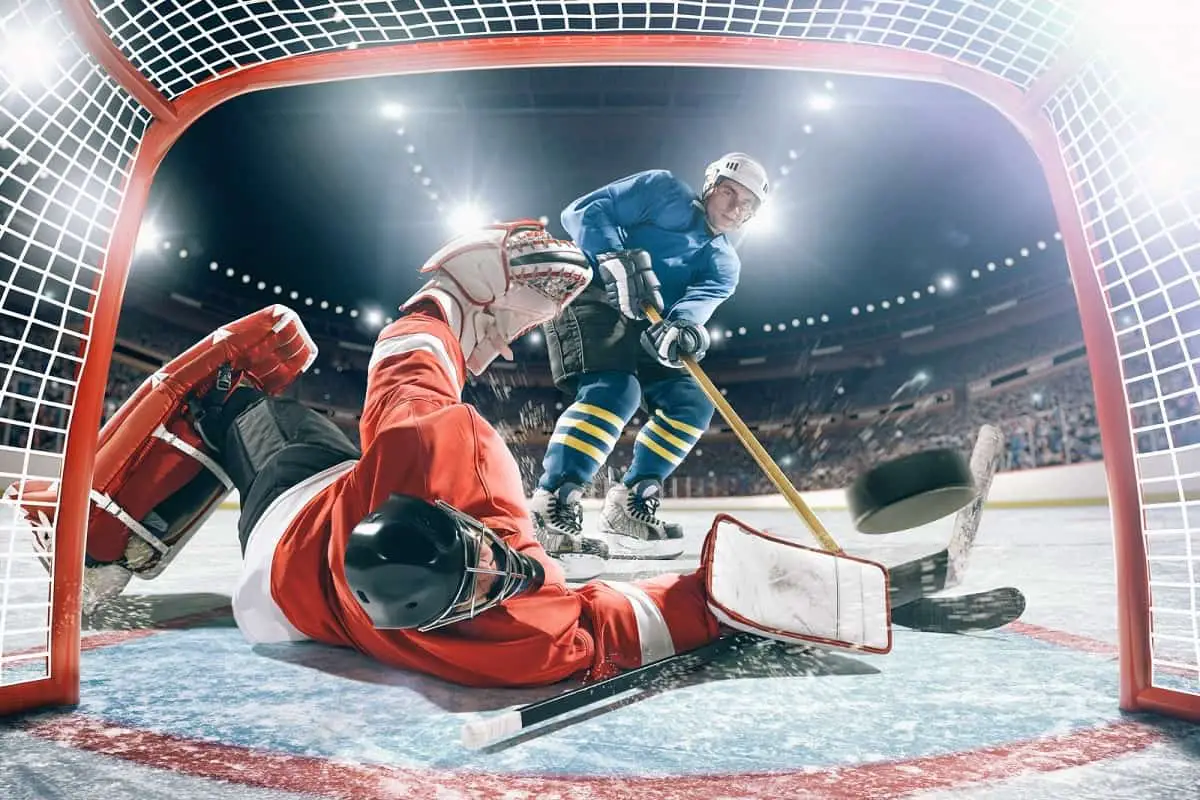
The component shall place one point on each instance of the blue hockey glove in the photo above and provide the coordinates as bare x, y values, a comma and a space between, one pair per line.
670, 340
630, 282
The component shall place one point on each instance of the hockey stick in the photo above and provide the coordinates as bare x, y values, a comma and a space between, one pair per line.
482, 732
756, 450
944, 569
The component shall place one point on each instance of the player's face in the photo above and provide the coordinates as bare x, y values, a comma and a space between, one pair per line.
729, 206
484, 582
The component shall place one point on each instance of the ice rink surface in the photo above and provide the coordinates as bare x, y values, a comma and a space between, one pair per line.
176, 705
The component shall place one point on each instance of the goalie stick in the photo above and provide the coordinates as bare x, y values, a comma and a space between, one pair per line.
909, 583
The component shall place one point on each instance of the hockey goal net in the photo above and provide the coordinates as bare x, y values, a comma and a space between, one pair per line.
92, 94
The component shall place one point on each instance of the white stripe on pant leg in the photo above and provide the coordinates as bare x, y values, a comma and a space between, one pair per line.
653, 633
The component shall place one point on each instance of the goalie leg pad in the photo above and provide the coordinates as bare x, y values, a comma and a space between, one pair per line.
779, 589
155, 480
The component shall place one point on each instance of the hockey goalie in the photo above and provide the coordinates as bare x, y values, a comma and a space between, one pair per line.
419, 551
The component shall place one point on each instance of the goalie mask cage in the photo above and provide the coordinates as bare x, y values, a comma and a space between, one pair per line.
92, 95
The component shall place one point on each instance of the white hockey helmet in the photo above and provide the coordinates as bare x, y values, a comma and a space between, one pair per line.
741, 168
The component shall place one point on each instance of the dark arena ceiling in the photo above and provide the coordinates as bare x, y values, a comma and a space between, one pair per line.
338, 192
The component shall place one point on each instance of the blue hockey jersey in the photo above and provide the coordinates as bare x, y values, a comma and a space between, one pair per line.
658, 213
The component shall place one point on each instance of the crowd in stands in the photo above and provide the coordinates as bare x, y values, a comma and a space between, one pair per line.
1047, 419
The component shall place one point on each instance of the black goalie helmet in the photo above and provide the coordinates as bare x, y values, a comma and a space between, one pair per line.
415, 564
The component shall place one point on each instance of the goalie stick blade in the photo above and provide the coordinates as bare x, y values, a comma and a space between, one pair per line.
980, 611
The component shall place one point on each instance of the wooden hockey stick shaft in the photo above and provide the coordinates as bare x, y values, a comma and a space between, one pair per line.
756, 450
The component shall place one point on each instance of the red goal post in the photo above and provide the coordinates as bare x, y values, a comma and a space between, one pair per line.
83, 136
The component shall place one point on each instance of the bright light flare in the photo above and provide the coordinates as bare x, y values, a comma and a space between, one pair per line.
820, 102
947, 283
391, 110
27, 57
467, 217
149, 238
373, 318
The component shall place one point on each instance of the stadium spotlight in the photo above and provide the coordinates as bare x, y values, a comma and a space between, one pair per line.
714, 333
183, 253
766, 327
373, 317
544, 219
1041, 245
885, 305
810, 321
807, 128
27, 57
535, 338
824, 318
900, 299
1008, 262
796, 322
213, 266
728, 334
1058, 236
820, 102
870, 307
854, 310
1024, 252
781, 327
931, 289
921, 377
742, 331
148, 237
764, 220
230, 272
974, 273
466, 217
916, 295
991, 266
947, 283
392, 111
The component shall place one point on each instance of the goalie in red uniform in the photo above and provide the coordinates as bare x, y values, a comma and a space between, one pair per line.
418, 550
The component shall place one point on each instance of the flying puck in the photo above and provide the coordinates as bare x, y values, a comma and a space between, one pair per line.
910, 491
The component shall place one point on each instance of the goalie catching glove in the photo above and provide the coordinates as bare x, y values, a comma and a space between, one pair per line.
669, 340
630, 283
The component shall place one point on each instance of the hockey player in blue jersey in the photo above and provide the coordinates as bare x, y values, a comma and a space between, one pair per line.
653, 241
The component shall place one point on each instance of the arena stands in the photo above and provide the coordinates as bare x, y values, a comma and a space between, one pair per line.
823, 428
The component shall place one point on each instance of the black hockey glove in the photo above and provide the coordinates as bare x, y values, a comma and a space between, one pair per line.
630, 282
670, 340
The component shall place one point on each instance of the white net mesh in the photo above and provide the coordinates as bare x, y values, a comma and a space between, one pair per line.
67, 134
180, 43
1142, 212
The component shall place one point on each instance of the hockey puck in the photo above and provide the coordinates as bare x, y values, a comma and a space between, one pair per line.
910, 491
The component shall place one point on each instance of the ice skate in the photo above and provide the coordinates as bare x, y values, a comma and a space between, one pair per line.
558, 525
631, 527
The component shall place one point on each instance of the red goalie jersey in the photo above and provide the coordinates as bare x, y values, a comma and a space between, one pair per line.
419, 439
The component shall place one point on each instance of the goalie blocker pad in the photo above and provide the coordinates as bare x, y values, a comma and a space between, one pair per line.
777, 588
154, 478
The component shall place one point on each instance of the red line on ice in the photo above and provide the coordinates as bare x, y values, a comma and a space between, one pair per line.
1073, 641
337, 779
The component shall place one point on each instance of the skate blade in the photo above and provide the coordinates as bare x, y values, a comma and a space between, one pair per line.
580, 566
630, 548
